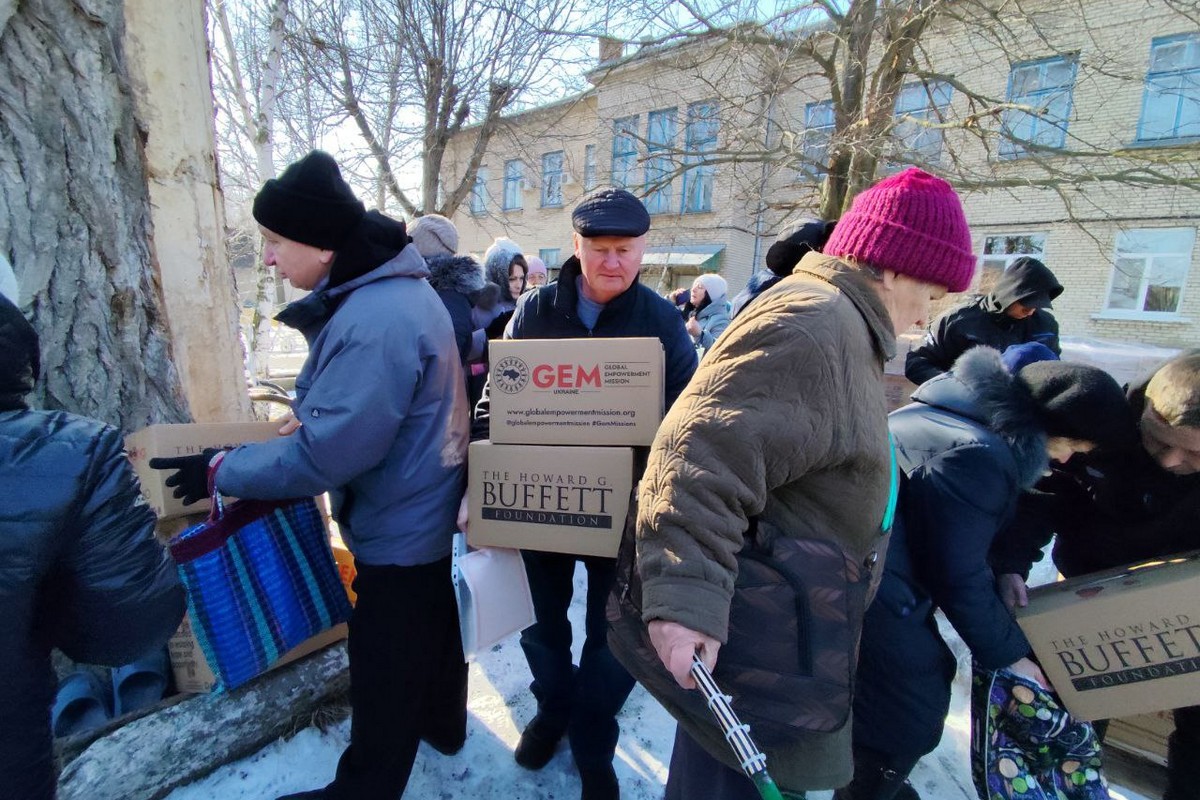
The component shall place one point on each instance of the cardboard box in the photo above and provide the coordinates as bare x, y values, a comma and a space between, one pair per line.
191, 670
557, 499
1144, 735
184, 440
576, 391
1121, 642
345, 565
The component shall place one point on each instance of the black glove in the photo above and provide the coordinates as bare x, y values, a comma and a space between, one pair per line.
495, 328
191, 477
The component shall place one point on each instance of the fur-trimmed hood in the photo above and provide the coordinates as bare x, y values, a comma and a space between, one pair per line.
460, 274
979, 388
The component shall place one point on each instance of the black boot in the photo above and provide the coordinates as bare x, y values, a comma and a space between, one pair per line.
876, 777
599, 783
538, 742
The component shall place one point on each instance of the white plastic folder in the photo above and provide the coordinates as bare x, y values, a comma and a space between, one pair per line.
493, 595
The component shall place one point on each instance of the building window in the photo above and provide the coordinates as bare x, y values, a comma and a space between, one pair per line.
1149, 270
700, 138
479, 193
589, 167
513, 173
1171, 103
999, 253
625, 152
818, 131
918, 107
552, 258
660, 140
1045, 87
552, 179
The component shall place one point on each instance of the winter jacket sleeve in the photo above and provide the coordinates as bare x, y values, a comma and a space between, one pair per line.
459, 308
1021, 543
936, 354
115, 593
351, 416
680, 357
708, 336
741, 428
953, 506
1046, 331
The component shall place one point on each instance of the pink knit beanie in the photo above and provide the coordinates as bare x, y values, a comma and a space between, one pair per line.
911, 223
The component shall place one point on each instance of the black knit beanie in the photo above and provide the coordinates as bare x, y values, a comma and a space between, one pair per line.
795, 242
1080, 402
309, 203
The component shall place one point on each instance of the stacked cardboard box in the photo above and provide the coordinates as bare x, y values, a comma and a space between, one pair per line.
565, 414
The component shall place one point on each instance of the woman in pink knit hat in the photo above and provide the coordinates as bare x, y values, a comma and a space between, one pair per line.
783, 431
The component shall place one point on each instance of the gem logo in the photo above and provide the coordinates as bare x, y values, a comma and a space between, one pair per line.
510, 375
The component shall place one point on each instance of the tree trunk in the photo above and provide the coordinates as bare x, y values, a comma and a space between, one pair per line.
75, 214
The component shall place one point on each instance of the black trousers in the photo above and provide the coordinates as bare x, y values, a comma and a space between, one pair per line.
408, 678
583, 701
1183, 754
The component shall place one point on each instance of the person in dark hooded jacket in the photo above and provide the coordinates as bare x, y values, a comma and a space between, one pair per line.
458, 280
382, 405
1016, 311
967, 446
80, 569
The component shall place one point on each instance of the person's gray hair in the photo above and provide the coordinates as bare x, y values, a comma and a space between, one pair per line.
1174, 390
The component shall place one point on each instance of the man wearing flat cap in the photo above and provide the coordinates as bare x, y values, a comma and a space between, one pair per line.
382, 425
597, 294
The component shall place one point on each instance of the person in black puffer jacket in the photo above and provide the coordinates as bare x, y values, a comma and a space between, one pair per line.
967, 446
80, 569
1014, 312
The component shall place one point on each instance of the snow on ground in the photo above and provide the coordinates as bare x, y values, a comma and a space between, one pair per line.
499, 706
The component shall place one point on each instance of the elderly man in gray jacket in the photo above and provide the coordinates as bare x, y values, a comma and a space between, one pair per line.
382, 425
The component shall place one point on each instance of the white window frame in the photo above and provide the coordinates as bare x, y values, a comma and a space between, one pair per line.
1009, 258
1144, 285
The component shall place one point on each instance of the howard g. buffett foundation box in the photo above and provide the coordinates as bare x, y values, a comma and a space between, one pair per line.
1125, 641
575, 391
557, 499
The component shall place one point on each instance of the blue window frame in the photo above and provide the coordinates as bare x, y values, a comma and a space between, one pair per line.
479, 193
1046, 87
1171, 102
818, 131
700, 138
552, 179
918, 106
660, 140
589, 167
513, 174
625, 152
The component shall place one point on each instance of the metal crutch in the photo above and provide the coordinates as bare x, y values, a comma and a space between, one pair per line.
752, 760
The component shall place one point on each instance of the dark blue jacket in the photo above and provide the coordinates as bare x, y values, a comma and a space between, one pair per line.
550, 313
80, 569
967, 447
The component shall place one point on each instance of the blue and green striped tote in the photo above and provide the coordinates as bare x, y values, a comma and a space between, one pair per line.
260, 579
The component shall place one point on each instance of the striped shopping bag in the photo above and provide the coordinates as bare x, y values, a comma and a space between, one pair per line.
260, 579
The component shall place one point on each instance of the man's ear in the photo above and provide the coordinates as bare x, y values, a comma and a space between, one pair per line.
577, 243
327, 257
888, 278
